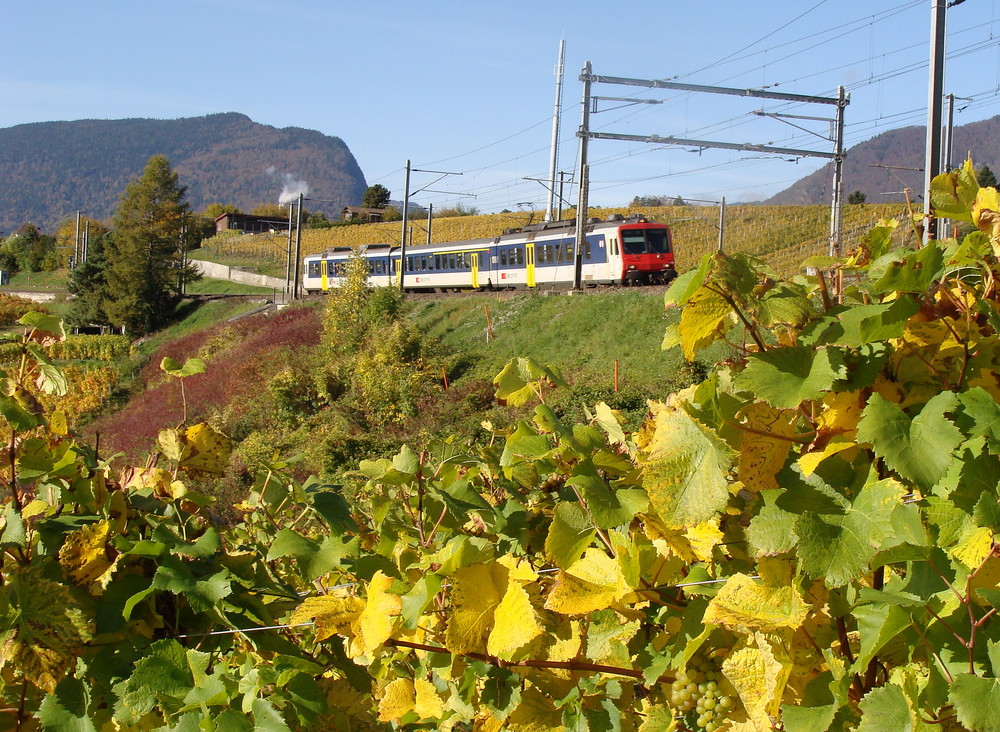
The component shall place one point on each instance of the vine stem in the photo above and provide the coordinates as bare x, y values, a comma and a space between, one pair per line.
565, 665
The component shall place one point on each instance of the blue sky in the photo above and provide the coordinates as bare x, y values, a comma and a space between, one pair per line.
468, 87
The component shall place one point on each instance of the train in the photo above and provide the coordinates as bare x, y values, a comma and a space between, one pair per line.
619, 251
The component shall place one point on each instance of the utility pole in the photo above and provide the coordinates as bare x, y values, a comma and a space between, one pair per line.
76, 242
584, 168
932, 153
837, 205
298, 248
554, 161
288, 254
430, 219
402, 238
944, 230
722, 222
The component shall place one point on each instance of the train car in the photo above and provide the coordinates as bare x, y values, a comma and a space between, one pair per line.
620, 251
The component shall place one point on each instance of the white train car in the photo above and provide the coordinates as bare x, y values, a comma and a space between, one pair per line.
617, 251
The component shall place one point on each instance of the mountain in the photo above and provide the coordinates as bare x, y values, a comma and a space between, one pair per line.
878, 167
51, 170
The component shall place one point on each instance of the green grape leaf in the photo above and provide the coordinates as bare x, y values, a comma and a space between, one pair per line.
915, 273
685, 468
333, 509
919, 449
44, 322
522, 380
686, 285
163, 675
885, 709
976, 701
878, 623
191, 367
953, 193
772, 530
65, 709
266, 718
840, 546
570, 533
785, 377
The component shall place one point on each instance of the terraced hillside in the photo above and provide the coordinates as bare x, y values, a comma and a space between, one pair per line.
781, 235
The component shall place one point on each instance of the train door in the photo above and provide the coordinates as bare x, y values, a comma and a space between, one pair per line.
529, 263
474, 266
324, 283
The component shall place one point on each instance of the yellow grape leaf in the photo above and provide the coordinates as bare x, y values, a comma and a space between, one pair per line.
987, 578
986, 211
376, 622
156, 479
47, 629
535, 713
58, 423
172, 444
764, 446
84, 555
427, 704
514, 623
703, 318
811, 460
487, 722
704, 538
476, 591
988, 380
668, 542
398, 699
208, 449
974, 546
329, 613
744, 606
841, 413
759, 673
518, 569
593, 582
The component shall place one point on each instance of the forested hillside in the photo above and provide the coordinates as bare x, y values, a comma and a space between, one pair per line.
50, 170
884, 166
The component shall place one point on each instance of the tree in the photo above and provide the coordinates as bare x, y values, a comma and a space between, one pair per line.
857, 197
88, 285
145, 274
214, 210
986, 177
376, 196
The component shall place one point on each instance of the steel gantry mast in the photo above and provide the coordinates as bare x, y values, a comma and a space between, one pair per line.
837, 137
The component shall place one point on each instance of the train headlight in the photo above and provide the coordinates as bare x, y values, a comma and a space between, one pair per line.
631, 267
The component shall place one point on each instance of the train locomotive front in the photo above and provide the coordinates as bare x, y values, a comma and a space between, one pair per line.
645, 253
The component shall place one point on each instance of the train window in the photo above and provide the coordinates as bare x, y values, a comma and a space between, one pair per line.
633, 242
331, 268
503, 257
314, 269
569, 252
451, 262
658, 240
520, 256
371, 266
586, 250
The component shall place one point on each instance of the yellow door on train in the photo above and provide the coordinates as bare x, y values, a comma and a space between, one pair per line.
474, 265
529, 263
324, 283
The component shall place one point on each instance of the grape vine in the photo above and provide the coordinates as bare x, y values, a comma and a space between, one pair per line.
805, 541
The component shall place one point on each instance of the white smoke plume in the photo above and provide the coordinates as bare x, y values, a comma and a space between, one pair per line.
291, 187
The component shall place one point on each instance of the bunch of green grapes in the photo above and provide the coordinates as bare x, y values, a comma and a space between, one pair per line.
702, 695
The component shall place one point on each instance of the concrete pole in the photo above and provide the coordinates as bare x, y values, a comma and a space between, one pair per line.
935, 90
402, 238
554, 160
298, 248
584, 168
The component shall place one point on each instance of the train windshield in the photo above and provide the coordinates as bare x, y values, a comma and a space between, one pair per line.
645, 241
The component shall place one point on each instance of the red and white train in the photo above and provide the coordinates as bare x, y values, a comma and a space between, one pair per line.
619, 251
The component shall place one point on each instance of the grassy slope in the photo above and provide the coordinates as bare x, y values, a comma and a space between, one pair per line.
583, 336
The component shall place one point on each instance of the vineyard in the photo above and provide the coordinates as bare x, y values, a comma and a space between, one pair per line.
783, 235
805, 541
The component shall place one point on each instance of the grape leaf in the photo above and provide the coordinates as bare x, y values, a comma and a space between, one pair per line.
515, 623
569, 534
885, 709
976, 701
595, 582
785, 377
65, 709
329, 613
742, 605
376, 622
476, 592
685, 468
919, 449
